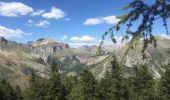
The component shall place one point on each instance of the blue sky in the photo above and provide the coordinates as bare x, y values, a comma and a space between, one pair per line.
75, 22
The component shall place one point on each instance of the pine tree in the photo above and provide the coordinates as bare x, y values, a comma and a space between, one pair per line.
6, 91
113, 85
142, 84
45, 89
68, 83
89, 85
77, 93
55, 88
86, 89
164, 86
119, 88
105, 87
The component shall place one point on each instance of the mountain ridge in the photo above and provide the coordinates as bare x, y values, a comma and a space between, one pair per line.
20, 57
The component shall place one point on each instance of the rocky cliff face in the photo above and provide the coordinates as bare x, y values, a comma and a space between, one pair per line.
21, 57
11, 46
37, 55
155, 58
42, 48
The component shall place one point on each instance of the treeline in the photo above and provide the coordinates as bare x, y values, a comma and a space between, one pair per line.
114, 86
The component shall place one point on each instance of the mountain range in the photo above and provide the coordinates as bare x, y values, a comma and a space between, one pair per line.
18, 59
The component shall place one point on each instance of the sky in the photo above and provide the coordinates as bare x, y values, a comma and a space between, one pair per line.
76, 22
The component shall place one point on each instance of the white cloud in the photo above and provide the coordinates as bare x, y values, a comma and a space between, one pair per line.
93, 21
80, 44
37, 12
110, 20
83, 38
14, 9
55, 13
102, 20
43, 24
77, 45
107, 42
8, 33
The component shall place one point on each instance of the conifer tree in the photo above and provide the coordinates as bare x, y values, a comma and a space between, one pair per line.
69, 82
164, 86
142, 84
119, 89
113, 86
55, 88
6, 91
86, 89
105, 86
77, 93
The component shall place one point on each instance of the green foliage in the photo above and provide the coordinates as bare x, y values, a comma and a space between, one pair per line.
120, 89
105, 87
37, 88
69, 83
141, 85
7, 92
45, 89
89, 84
113, 86
86, 89
76, 93
54, 83
165, 85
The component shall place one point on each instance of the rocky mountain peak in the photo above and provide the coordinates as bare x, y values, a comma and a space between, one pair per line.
44, 41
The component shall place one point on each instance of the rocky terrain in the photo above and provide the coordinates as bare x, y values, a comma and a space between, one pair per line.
21, 58
156, 57
17, 59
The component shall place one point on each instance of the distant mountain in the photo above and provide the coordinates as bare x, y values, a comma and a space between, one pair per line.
17, 59
155, 58
85, 47
20, 58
